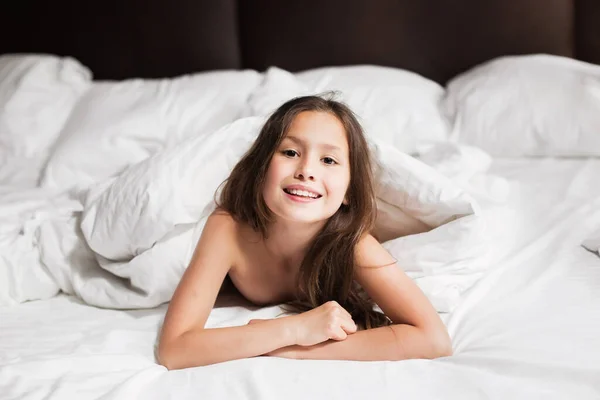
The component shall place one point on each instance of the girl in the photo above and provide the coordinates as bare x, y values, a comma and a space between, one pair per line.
292, 226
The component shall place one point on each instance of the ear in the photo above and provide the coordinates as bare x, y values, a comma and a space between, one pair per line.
345, 201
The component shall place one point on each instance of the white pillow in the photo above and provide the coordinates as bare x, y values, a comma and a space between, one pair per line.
37, 94
401, 107
117, 124
538, 105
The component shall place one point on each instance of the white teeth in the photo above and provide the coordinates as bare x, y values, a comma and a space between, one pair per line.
303, 193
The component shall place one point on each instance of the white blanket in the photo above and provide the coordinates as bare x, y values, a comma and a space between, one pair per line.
544, 291
592, 243
144, 224
125, 242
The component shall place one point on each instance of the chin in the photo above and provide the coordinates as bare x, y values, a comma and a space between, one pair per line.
299, 216
303, 218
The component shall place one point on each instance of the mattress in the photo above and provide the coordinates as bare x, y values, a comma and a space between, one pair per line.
528, 329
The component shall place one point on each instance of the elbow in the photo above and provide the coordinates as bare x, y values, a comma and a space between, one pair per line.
168, 357
164, 357
421, 343
173, 355
441, 345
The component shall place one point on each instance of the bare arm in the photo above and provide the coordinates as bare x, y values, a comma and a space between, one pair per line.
388, 343
184, 342
417, 332
210, 346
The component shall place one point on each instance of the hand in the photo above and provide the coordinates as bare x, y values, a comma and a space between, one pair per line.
328, 321
284, 352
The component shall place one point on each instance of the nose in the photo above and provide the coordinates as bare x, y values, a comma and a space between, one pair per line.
305, 171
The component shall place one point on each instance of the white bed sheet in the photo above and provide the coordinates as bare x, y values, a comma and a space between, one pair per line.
529, 329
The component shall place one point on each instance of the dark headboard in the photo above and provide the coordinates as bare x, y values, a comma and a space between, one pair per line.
120, 39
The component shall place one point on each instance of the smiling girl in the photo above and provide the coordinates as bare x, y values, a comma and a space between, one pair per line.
293, 226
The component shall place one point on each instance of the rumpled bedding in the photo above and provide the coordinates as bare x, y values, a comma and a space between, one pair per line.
592, 243
118, 232
125, 242
542, 289
37, 95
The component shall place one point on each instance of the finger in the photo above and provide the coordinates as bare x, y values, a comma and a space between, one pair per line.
338, 333
346, 313
348, 326
342, 310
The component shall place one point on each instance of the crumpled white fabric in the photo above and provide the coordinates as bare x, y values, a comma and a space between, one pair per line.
23, 274
143, 225
125, 122
37, 94
592, 243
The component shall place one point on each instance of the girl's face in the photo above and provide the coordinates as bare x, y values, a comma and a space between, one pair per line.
309, 173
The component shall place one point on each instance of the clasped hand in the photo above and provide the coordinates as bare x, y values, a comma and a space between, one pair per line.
329, 321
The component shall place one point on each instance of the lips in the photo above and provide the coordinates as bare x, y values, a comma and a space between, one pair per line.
302, 192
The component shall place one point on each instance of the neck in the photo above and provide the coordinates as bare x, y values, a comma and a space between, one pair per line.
289, 241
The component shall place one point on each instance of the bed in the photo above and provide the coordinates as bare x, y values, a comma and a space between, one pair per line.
496, 109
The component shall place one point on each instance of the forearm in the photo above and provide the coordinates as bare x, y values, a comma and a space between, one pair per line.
210, 346
396, 342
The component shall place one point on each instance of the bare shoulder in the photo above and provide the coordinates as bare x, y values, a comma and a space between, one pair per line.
227, 234
370, 253
221, 219
393, 291
221, 227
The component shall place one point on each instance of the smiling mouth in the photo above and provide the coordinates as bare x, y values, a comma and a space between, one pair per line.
302, 194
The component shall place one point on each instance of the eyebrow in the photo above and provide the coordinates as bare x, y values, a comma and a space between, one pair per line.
326, 146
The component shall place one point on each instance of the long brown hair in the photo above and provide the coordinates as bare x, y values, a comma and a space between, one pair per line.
327, 270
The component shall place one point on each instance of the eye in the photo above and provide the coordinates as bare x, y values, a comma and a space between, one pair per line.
329, 161
289, 153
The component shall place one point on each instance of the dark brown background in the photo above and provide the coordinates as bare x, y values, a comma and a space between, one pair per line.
157, 38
